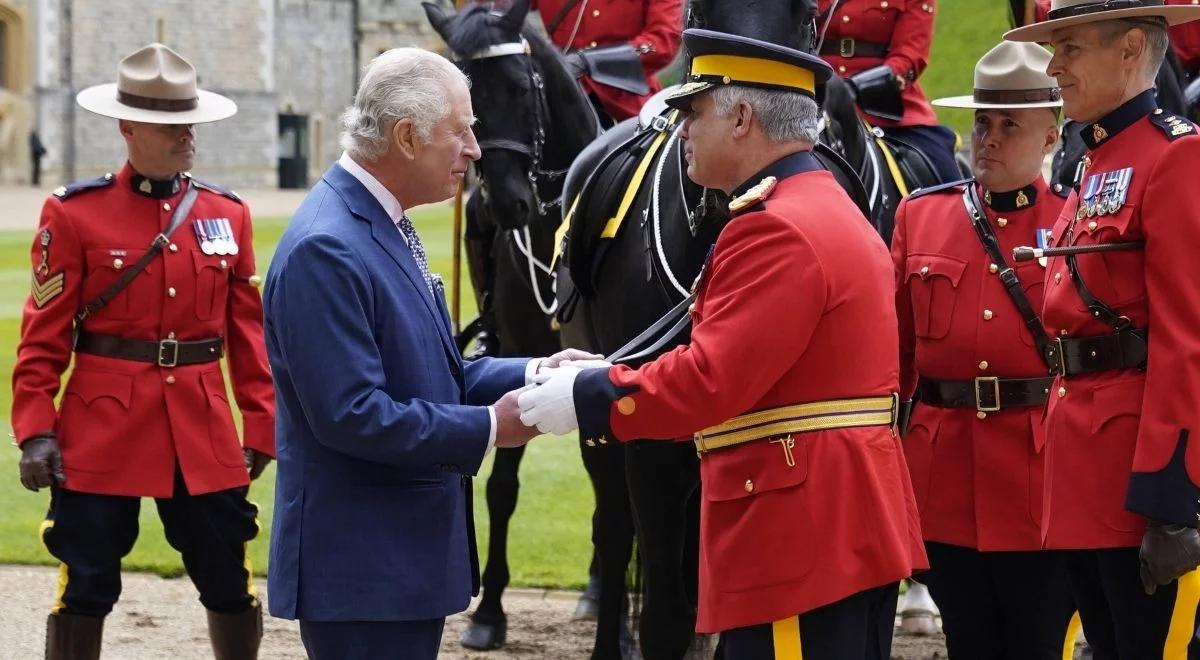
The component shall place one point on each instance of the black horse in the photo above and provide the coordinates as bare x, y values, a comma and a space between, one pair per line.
532, 122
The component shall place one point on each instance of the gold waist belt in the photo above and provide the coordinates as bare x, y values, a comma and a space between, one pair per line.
800, 418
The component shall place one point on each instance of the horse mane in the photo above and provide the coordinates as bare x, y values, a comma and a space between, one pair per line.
569, 101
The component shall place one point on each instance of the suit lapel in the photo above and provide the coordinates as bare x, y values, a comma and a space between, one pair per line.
387, 235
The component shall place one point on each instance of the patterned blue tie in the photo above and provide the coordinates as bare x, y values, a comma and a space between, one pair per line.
418, 250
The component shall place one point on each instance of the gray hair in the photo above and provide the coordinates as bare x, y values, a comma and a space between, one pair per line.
1157, 38
402, 83
785, 116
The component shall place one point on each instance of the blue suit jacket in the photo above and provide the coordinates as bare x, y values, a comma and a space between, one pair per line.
378, 422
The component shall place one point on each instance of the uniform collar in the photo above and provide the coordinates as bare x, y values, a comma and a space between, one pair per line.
1013, 200
790, 165
1103, 129
154, 188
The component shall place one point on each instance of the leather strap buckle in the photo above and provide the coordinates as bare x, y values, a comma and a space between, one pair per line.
994, 382
168, 352
846, 47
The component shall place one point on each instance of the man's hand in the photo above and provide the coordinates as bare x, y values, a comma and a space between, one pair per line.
41, 463
256, 462
568, 355
1168, 552
551, 405
510, 430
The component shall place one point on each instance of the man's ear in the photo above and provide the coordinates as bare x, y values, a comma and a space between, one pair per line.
743, 115
126, 128
404, 136
1134, 44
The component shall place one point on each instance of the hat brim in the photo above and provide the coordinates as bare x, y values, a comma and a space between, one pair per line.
968, 102
681, 98
102, 100
1044, 31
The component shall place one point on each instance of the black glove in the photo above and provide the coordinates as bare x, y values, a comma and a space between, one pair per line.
1169, 551
41, 463
256, 462
575, 64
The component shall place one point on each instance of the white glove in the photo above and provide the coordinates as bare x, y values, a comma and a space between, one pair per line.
551, 405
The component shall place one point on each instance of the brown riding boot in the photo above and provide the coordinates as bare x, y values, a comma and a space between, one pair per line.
73, 637
235, 636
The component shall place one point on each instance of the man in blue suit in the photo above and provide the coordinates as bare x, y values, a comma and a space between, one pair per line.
380, 422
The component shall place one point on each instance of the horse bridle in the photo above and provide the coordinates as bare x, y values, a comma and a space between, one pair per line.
536, 174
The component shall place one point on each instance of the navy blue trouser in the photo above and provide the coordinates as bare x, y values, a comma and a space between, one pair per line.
936, 142
372, 640
90, 533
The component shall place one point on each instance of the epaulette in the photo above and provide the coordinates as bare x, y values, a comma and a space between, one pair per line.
759, 192
72, 189
941, 187
212, 187
1173, 125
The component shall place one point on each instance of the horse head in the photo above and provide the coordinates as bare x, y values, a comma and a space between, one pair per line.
509, 98
790, 23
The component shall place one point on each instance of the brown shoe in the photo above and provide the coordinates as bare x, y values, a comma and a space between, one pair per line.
235, 636
73, 637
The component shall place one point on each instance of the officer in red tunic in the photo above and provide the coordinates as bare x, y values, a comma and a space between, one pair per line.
970, 360
788, 383
881, 47
1124, 308
607, 35
146, 278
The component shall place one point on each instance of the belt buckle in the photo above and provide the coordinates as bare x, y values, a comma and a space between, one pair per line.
1062, 356
846, 47
168, 347
995, 382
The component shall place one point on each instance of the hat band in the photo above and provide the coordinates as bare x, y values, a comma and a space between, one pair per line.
1096, 7
737, 69
161, 105
1018, 96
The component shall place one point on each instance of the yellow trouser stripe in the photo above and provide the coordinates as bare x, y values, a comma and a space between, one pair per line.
61, 587
785, 637
1072, 634
1183, 617
631, 191
892, 166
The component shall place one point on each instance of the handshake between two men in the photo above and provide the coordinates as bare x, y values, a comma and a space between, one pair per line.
546, 404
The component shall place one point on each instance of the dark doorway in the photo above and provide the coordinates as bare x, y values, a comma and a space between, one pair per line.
293, 151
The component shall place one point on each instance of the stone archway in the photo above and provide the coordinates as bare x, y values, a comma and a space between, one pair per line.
15, 109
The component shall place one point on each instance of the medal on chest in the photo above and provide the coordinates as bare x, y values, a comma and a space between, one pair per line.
215, 236
1043, 241
1104, 193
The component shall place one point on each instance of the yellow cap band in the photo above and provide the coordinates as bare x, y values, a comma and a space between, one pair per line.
753, 70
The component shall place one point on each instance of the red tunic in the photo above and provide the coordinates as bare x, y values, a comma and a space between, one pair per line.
796, 307
123, 425
1118, 440
655, 26
906, 26
978, 482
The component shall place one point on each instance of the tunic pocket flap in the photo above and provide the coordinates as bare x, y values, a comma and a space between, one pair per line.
925, 266
92, 385
755, 467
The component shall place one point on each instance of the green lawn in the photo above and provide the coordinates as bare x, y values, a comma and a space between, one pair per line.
964, 31
550, 532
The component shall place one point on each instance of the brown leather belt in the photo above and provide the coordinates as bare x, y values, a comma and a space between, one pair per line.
848, 47
165, 353
985, 394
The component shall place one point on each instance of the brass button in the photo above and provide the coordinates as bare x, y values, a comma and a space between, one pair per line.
166, 207
1062, 391
626, 405
224, 264
845, 19
726, 79
590, 442
981, 415
172, 247
987, 315
1063, 333
118, 264
983, 365
1003, 222
171, 292
595, 13
749, 486
108, 176
884, 4
255, 281
592, 44
1058, 278
841, 69
924, 271
1092, 225
1058, 187
170, 380
993, 269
